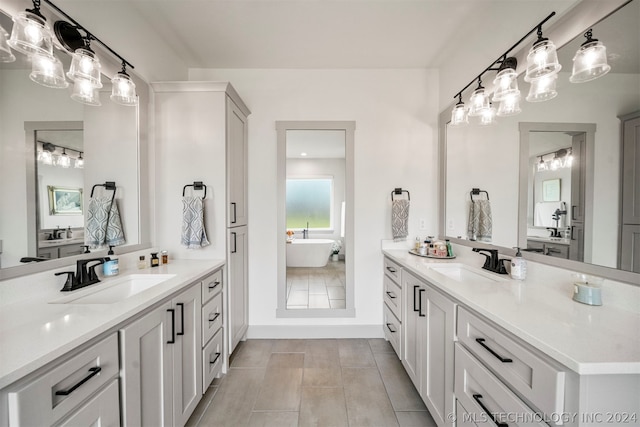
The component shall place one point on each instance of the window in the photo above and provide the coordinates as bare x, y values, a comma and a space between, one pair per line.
309, 200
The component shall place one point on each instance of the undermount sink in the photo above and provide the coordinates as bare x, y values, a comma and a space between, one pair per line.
463, 273
114, 290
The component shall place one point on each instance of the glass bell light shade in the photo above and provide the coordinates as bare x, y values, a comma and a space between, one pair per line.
45, 157
543, 88
487, 116
64, 160
79, 164
506, 84
590, 62
509, 105
31, 35
542, 165
5, 51
459, 115
85, 93
478, 102
47, 71
542, 60
85, 66
123, 89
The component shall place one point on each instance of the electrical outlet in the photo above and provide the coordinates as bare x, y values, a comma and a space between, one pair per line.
423, 224
450, 224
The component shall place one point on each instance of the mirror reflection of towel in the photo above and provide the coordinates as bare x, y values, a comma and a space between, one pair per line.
104, 225
479, 226
400, 219
194, 235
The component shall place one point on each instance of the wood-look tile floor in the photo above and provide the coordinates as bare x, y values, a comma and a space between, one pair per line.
316, 287
332, 382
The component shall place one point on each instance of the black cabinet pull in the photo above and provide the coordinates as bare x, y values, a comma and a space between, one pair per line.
391, 295
571, 237
233, 204
391, 269
215, 360
215, 284
235, 242
215, 317
490, 350
420, 303
181, 305
393, 331
173, 326
477, 398
573, 212
414, 298
92, 372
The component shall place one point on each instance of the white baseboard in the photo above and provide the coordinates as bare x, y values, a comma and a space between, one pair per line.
314, 331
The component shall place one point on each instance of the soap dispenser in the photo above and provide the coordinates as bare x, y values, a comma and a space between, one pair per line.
518, 266
111, 267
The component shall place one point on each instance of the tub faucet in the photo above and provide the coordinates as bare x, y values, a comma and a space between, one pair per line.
305, 232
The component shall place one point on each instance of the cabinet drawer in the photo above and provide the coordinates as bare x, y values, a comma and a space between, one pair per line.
211, 286
393, 296
102, 410
55, 394
463, 418
392, 330
392, 270
535, 379
212, 360
211, 318
486, 400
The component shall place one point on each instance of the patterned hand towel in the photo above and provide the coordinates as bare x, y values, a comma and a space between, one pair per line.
115, 232
194, 235
103, 223
400, 219
479, 226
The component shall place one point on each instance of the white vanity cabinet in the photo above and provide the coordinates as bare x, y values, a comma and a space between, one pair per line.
161, 357
238, 285
429, 328
65, 391
392, 296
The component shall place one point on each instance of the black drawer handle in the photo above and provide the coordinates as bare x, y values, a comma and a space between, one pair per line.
181, 305
477, 398
391, 269
215, 360
391, 295
173, 326
215, 284
215, 317
233, 204
92, 372
490, 350
235, 243
393, 331
420, 303
415, 298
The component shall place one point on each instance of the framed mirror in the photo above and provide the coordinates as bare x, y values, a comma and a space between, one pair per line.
502, 159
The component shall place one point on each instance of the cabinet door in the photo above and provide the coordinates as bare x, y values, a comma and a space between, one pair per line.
102, 410
437, 356
49, 253
576, 247
187, 354
237, 285
413, 294
237, 175
70, 250
146, 364
578, 178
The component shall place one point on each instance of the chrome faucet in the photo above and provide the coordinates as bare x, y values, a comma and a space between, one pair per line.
305, 232
492, 262
84, 275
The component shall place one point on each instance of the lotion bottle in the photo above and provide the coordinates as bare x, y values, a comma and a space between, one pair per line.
518, 266
111, 267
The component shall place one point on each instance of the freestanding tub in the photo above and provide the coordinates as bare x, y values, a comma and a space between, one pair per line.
308, 252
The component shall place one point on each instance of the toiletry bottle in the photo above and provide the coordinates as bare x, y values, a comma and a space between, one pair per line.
69, 233
518, 266
450, 253
155, 261
141, 262
165, 257
417, 244
111, 267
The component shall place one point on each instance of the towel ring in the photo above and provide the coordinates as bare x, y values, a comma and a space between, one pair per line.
109, 185
475, 192
197, 185
399, 191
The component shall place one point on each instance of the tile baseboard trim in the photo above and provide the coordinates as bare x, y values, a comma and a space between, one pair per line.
314, 331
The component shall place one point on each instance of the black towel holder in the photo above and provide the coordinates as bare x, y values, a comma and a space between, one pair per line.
109, 186
197, 185
475, 192
399, 191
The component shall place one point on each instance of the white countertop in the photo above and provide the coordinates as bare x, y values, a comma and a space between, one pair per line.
34, 332
557, 240
586, 339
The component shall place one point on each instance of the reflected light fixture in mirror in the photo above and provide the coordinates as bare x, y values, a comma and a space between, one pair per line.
488, 116
590, 61
5, 50
543, 88
85, 93
47, 71
459, 113
479, 101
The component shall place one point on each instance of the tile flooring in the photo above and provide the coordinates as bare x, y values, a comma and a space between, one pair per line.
309, 287
333, 383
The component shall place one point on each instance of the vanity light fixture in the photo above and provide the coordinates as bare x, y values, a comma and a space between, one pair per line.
542, 165
123, 89
459, 113
542, 59
590, 61
568, 159
47, 71
5, 51
543, 88
31, 34
79, 163
507, 92
64, 160
85, 66
479, 101
85, 93
45, 156
488, 116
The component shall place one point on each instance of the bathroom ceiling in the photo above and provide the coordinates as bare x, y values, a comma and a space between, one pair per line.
164, 38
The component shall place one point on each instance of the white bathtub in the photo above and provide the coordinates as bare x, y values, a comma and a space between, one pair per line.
308, 252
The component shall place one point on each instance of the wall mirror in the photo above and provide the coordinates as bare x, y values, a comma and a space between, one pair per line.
37, 121
315, 253
583, 121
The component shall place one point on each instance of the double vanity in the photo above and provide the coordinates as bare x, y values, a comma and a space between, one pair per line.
140, 348
483, 349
